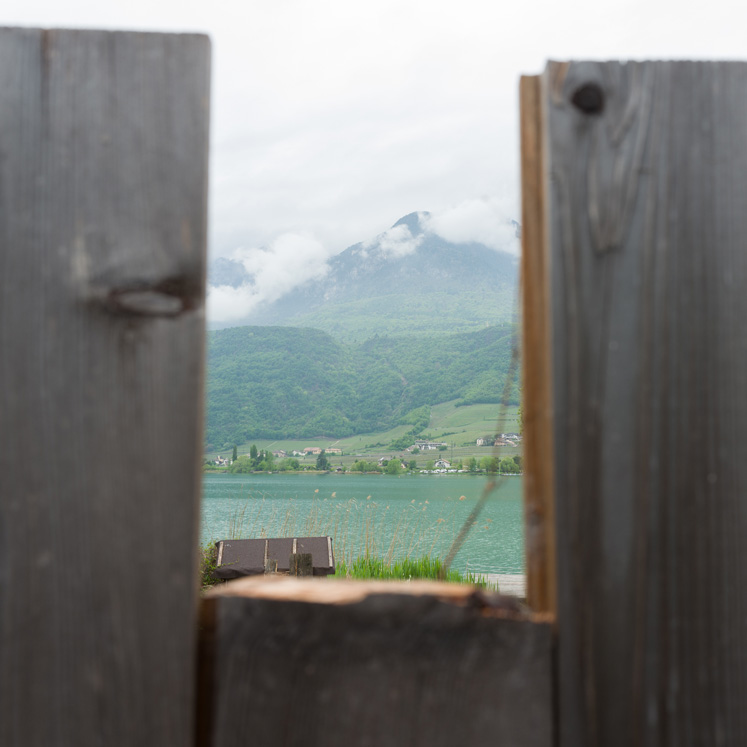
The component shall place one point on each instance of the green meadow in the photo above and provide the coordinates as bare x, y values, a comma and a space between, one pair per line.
457, 426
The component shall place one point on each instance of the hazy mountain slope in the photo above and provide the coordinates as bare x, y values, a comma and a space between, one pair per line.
282, 382
408, 280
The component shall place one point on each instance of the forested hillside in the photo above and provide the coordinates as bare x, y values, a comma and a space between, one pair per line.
286, 382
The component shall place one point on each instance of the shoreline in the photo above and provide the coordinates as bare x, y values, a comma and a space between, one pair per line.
367, 474
511, 584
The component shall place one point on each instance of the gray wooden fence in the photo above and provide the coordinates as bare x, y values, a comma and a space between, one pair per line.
645, 168
103, 189
634, 274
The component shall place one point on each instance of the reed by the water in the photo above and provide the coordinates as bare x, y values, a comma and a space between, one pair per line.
372, 539
406, 569
359, 528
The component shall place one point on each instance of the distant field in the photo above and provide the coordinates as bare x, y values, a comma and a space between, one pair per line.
472, 421
459, 427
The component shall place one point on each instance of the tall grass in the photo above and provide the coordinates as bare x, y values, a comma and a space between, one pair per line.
405, 570
370, 539
359, 528
208, 562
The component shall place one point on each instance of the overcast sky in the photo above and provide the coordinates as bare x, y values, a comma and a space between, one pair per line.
334, 118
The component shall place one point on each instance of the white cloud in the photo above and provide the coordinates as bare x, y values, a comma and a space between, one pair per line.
289, 261
335, 117
395, 242
486, 220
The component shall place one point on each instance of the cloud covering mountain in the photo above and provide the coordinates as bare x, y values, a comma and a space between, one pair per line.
469, 250
252, 277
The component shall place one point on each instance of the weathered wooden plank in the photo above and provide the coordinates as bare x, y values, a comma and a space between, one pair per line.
327, 663
103, 156
649, 270
539, 499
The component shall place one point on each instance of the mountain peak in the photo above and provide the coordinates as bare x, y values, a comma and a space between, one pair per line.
409, 279
413, 222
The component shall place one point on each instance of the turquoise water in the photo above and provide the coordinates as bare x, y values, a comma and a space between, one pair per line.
381, 514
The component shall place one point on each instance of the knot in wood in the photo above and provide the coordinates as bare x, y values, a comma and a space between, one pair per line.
589, 98
169, 297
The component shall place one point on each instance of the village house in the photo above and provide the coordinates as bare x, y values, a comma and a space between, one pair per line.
441, 464
428, 445
313, 450
280, 454
333, 451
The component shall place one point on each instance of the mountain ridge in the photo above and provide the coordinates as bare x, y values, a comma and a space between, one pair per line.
402, 321
406, 279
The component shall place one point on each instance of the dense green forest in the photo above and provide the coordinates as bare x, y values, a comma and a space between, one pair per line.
286, 382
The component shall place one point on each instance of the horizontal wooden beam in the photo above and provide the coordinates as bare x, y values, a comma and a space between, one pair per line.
334, 663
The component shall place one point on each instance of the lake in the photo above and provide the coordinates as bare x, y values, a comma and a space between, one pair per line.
380, 514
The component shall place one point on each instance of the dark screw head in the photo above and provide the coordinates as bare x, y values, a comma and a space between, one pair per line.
589, 98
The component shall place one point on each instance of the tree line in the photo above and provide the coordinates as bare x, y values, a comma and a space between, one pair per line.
265, 461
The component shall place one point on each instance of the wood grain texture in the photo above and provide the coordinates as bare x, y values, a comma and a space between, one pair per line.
539, 486
649, 270
103, 186
316, 662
